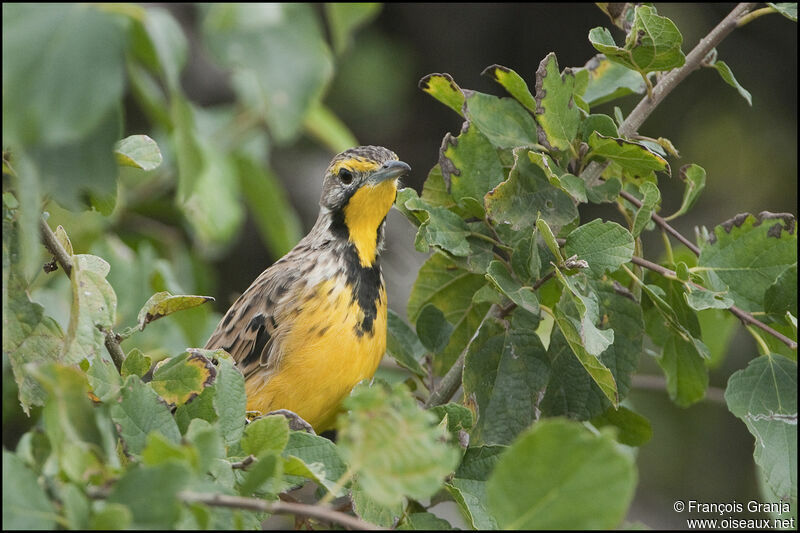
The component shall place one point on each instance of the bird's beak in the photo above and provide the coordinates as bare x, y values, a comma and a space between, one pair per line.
389, 170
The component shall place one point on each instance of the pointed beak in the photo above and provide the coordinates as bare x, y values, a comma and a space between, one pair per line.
389, 170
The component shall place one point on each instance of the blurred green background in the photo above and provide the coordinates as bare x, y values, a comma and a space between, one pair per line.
749, 153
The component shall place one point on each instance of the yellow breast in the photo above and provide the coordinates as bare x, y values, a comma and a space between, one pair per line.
324, 354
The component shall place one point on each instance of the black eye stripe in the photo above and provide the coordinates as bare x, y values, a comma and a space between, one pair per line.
345, 176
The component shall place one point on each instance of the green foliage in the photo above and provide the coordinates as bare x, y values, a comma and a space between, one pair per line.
538, 316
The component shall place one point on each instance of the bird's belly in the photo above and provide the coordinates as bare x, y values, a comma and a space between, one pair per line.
324, 355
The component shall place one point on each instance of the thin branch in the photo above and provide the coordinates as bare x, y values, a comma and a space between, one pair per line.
663, 224
452, 380
659, 383
668, 82
316, 512
244, 463
60, 255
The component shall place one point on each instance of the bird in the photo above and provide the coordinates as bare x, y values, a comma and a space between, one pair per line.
313, 324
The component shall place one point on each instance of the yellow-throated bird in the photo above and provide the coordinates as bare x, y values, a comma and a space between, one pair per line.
313, 324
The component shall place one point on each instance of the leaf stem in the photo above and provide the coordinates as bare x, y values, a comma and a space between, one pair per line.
754, 15
762, 344
667, 247
317, 512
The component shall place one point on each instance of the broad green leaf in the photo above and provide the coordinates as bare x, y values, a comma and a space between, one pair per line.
513, 83
633, 428
559, 475
694, 177
572, 185
685, 370
699, 299
135, 363
433, 328
450, 288
549, 238
393, 445
159, 450
764, 396
104, 379
278, 224
505, 371
320, 457
631, 156
111, 516
280, 61
578, 291
621, 15
571, 390
469, 164
787, 9
345, 18
781, 296
651, 197
608, 191
139, 412
526, 192
726, 74
653, 43
458, 417
748, 253
263, 476
182, 378
556, 111
58, 84
602, 124
150, 492
75, 506
525, 260
604, 245
138, 151
372, 511
93, 309
435, 190
29, 336
404, 345
608, 81
444, 88
25, 503
268, 434
163, 303
425, 522
468, 486
502, 120
524, 297
443, 228
230, 400
200, 408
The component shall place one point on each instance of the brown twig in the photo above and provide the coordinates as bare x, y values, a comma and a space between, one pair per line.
316, 512
668, 82
663, 224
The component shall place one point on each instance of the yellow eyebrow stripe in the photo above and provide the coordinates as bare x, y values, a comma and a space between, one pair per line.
355, 164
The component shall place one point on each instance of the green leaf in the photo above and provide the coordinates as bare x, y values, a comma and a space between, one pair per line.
748, 253
104, 379
139, 412
459, 418
633, 428
373, 512
135, 363
444, 88
345, 18
425, 522
230, 400
526, 192
328, 129
556, 111
685, 370
513, 83
264, 476
468, 487
93, 309
631, 156
726, 74
549, 238
151, 493
182, 378
651, 197
393, 445
450, 288
559, 475
75, 506
200, 408
163, 303
58, 85
572, 185
268, 434
608, 81
602, 124
653, 43
279, 225
505, 371
280, 61
604, 245
433, 328
138, 151
607, 192
525, 260
694, 177
25, 504
699, 299
781, 296
787, 9
524, 297
502, 120
469, 164
404, 345
111, 516
764, 397
319, 456
443, 228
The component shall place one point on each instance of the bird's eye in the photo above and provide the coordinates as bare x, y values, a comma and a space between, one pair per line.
345, 176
